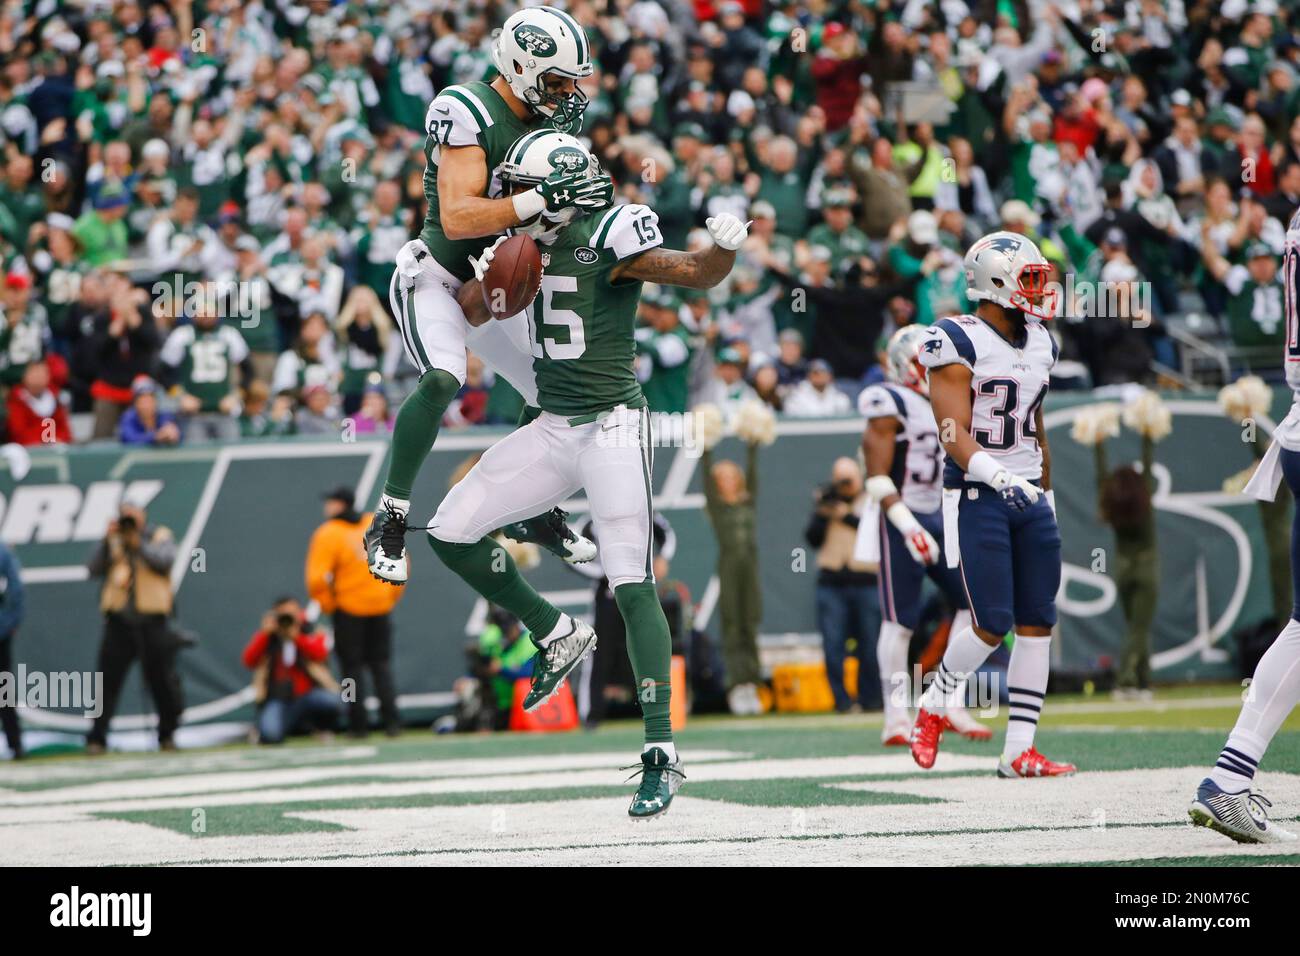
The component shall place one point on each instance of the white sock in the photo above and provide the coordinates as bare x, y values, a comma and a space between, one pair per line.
396, 504
1031, 659
965, 653
960, 621
562, 628
891, 657
667, 747
1273, 693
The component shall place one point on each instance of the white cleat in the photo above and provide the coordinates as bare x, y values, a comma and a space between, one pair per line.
580, 550
961, 722
1240, 816
897, 732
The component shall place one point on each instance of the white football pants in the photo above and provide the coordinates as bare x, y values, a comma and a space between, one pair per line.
422, 295
537, 466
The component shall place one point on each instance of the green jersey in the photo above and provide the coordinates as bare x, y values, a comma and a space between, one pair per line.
582, 324
843, 246
22, 341
470, 115
204, 359
1255, 310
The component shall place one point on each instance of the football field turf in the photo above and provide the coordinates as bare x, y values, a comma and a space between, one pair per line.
802, 790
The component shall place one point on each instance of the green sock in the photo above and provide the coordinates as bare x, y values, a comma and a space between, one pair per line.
487, 567
650, 648
416, 429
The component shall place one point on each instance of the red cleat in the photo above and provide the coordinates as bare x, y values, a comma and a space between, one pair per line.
1033, 764
926, 734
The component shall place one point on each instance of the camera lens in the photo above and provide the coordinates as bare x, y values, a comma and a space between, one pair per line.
285, 620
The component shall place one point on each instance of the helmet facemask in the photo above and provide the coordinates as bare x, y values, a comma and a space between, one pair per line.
905, 366
1034, 298
564, 109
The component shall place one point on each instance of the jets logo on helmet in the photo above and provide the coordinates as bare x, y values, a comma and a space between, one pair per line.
535, 156
1008, 269
534, 40
543, 42
568, 160
904, 368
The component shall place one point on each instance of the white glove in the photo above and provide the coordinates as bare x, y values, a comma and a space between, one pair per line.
922, 547
728, 231
920, 543
1017, 492
480, 265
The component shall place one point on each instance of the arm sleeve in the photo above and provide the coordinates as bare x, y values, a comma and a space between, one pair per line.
319, 565
173, 350
1236, 279
238, 347
710, 491
98, 560
815, 533
315, 647
160, 551
254, 650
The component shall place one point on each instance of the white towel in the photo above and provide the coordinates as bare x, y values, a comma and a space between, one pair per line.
1264, 482
867, 546
951, 546
408, 259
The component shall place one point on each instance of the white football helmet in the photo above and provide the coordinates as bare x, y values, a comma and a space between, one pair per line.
900, 353
533, 157
538, 41
1008, 269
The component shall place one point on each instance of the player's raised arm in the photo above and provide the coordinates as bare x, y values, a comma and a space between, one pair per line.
695, 270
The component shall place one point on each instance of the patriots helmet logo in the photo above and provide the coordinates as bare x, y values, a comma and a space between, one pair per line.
932, 345
1006, 244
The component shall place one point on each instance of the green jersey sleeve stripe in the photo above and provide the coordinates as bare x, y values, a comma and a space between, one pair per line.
603, 229
476, 109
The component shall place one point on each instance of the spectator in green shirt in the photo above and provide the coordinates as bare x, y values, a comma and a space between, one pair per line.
663, 353
783, 187
838, 234
102, 231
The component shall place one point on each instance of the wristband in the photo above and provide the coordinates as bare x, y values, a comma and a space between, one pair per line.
901, 517
528, 204
880, 487
984, 467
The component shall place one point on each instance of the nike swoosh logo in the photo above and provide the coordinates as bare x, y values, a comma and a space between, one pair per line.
443, 110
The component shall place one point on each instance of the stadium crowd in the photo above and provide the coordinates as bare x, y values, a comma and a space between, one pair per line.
200, 202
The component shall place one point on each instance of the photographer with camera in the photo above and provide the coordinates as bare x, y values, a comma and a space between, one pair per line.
135, 560
292, 685
848, 604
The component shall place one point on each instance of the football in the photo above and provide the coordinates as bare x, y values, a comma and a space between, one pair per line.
513, 278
